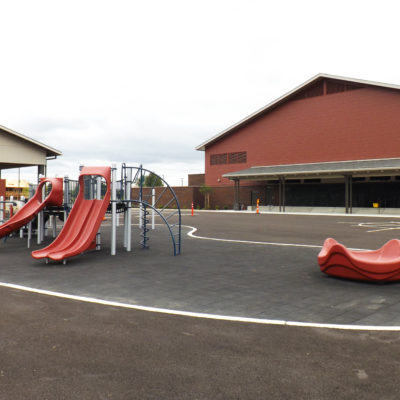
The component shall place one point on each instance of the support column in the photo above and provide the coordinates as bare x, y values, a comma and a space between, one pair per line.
113, 209
128, 221
281, 192
236, 201
41, 170
66, 197
348, 194
280, 195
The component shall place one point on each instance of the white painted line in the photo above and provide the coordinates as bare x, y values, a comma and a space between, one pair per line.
305, 213
312, 246
200, 315
193, 230
388, 226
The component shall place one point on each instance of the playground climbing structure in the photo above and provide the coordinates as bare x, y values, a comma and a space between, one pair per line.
152, 196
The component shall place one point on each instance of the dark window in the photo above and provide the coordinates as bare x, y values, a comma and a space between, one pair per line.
216, 159
228, 158
238, 157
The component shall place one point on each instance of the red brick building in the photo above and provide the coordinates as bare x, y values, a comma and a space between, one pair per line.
331, 142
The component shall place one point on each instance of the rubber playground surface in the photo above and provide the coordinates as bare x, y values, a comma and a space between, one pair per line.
275, 326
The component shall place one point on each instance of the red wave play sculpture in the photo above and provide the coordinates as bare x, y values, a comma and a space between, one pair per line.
382, 265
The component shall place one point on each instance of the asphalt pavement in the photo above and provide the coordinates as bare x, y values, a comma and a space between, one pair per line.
55, 348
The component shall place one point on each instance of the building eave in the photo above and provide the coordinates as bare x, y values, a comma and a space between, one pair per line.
319, 170
50, 151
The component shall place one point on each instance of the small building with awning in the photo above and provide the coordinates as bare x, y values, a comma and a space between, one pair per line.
19, 151
346, 184
332, 142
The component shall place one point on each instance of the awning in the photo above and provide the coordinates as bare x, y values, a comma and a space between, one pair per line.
361, 168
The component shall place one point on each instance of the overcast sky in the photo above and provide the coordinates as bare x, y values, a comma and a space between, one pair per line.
147, 81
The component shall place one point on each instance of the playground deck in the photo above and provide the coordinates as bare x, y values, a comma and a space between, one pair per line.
61, 348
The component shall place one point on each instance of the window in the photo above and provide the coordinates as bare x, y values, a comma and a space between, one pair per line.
228, 158
216, 159
237, 158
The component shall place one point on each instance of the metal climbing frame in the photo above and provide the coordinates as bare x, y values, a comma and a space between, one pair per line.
144, 190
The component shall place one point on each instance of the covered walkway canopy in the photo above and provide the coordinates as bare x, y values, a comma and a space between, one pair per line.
17, 151
326, 170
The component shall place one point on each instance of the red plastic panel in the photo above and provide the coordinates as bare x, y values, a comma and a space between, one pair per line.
80, 229
382, 265
34, 205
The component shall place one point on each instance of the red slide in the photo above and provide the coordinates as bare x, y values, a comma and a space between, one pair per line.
34, 206
80, 229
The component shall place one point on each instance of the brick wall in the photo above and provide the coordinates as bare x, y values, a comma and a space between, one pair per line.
220, 197
223, 197
185, 194
3, 188
354, 125
196, 179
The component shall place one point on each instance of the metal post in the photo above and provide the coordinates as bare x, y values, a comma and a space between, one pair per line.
98, 188
98, 241
21, 231
351, 194
29, 234
40, 224
54, 222
113, 210
153, 203
22, 201
129, 209
348, 193
141, 198
280, 195
98, 197
283, 194
236, 203
124, 183
39, 228
1, 210
66, 197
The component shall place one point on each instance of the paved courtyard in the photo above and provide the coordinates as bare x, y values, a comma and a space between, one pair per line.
61, 348
263, 266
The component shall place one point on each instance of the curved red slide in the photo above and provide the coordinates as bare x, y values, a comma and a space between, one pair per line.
34, 205
80, 229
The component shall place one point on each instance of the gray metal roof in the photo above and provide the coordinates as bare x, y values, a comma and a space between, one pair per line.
285, 97
320, 170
